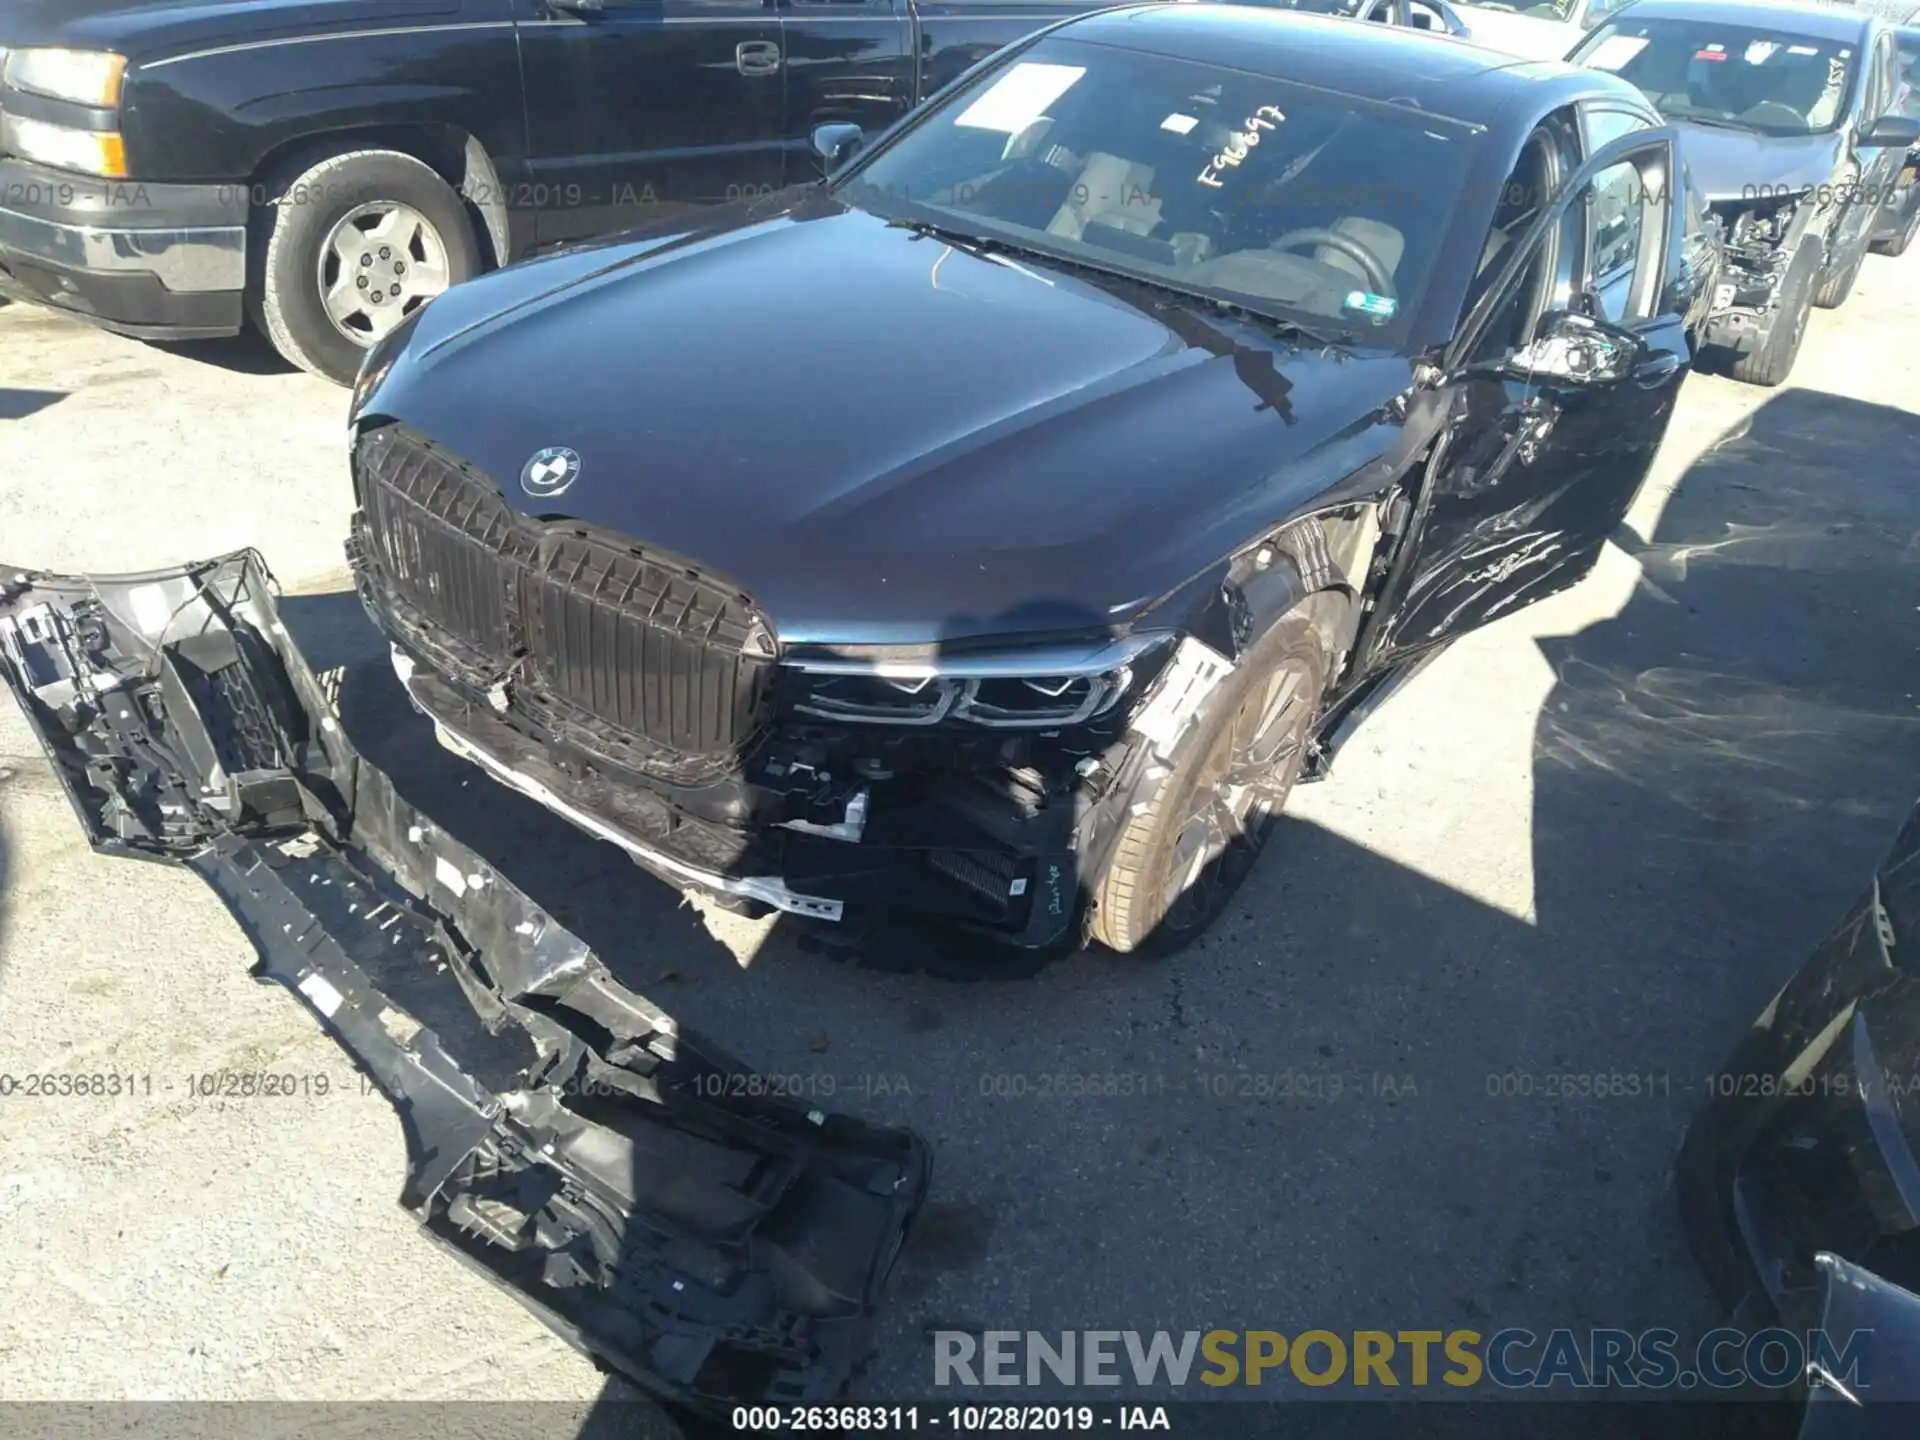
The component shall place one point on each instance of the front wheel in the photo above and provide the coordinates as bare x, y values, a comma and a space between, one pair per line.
1770, 361
1190, 846
1837, 284
349, 247
1903, 237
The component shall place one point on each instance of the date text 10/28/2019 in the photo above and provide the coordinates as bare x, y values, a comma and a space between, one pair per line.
961, 1419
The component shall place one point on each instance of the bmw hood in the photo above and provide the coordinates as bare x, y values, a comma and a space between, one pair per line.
879, 436
1745, 165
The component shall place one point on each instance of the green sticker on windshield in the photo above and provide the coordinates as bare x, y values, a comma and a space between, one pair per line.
1381, 307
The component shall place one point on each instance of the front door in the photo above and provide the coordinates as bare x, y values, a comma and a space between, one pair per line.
645, 108
1537, 467
847, 61
1880, 165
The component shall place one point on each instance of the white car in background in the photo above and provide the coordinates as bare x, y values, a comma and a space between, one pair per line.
1546, 30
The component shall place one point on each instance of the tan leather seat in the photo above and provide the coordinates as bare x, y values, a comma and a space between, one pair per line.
1113, 191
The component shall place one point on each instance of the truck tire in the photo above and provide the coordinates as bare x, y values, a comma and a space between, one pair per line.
1838, 283
346, 247
1189, 848
1771, 360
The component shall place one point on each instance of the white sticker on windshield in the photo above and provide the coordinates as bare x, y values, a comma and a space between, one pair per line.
1020, 97
1615, 51
1760, 51
1803, 50
1179, 124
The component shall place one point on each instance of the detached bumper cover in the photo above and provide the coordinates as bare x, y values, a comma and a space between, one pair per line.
1809, 1139
564, 1136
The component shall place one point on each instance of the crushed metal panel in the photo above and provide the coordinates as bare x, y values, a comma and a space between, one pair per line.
562, 1134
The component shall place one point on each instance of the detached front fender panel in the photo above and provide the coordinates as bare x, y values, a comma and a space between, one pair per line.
564, 1135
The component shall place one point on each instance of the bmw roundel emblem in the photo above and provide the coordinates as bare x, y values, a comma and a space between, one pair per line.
550, 471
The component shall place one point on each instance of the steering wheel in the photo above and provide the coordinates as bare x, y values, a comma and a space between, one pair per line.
1775, 112
1376, 273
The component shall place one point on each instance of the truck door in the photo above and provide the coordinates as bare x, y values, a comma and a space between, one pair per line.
847, 60
643, 108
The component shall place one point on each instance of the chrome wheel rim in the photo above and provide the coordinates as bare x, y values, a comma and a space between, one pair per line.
381, 262
1243, 786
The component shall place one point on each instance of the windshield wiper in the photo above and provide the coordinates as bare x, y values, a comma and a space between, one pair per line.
972, 244
1290, 328
988, 249
1189, 295
1712, 122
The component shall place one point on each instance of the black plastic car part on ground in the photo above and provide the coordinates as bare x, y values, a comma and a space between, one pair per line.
564, 1136
1006, 558
1809, 1139
1790, 126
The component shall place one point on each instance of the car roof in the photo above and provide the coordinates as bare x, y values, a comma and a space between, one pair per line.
1815, 21
1444, 76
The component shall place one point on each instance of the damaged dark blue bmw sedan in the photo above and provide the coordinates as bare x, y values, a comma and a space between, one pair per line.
998, 529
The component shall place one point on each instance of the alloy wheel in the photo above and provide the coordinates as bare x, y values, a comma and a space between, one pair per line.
1243, 786
381, 262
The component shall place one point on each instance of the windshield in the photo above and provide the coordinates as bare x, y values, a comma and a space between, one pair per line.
1348, 9
1293, 202
1538, 9
1770, 81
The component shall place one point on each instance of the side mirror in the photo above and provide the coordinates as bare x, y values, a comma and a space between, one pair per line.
1579, 350
1892, 132
836, 142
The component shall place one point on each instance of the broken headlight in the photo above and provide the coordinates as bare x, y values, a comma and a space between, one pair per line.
1042, 688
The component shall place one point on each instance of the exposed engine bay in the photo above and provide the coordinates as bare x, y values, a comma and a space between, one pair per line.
1760, 239
565, 1137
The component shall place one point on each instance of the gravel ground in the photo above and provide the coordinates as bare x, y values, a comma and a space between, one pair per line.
1593, 838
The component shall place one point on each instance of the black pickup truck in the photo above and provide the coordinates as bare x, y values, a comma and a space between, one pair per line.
325, 167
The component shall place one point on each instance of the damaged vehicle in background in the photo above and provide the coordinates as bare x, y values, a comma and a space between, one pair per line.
1900, 221
998, 530
1790, 127
1436, 16
565, 1137
1545, 30
1807, 1145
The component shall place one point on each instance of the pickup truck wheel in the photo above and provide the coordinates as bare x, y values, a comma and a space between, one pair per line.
1770, 361
348, 248
1182, 857
1838, 283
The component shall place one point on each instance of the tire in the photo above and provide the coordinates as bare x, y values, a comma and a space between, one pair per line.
1139, 908
1771, 361
1835, 287
1899, 243
344, 201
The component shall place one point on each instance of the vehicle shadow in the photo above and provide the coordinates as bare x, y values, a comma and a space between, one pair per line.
1367, 1099
248, 353
19, 404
